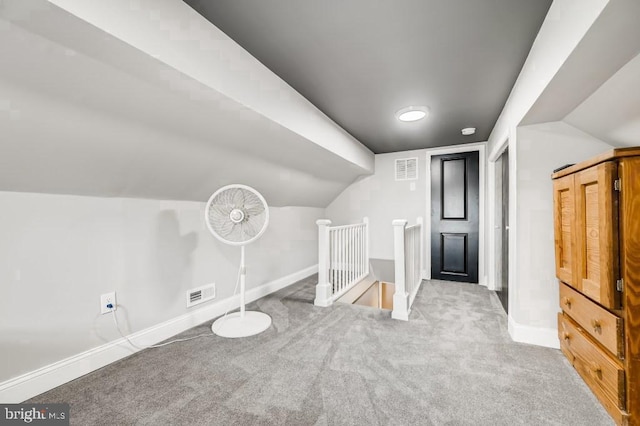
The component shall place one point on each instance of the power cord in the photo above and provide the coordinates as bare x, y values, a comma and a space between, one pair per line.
235, 291
115, 320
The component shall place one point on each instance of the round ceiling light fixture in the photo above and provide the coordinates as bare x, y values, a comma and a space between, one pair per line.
467, 131
412, 113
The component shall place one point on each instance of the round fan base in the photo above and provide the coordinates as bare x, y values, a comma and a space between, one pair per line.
233, 325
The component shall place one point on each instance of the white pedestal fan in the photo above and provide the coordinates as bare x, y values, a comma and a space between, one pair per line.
238, 215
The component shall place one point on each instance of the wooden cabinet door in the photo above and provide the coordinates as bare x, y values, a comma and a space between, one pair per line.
597, 234
565, 233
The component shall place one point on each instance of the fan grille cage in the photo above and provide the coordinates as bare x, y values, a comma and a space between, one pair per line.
237, 214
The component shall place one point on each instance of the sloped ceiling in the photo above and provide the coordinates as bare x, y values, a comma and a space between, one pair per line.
612, 113
83, 111
597, 89
360, 61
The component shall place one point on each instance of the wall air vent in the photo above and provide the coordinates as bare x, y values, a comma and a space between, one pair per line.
198, 295
407, 168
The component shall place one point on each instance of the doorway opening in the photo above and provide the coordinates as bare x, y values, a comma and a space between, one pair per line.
501, 236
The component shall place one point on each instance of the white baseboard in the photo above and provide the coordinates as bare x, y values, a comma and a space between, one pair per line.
46, 378
547, 337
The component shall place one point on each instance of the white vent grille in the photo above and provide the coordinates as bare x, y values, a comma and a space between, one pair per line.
407, 168
198, 295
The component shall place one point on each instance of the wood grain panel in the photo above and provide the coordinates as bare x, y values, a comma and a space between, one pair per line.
564, 224
602, 374
597, 266
601, 324
630, 261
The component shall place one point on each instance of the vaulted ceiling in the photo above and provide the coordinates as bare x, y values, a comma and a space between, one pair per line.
359, 61
97, 98
148, 99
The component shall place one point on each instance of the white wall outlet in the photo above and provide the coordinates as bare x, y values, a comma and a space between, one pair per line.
106, 300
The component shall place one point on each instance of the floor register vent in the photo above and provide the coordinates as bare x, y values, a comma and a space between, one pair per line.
198, 295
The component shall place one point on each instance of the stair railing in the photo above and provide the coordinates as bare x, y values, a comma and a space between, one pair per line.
343, 259
408, 253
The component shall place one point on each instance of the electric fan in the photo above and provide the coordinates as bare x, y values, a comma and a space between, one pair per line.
238, 215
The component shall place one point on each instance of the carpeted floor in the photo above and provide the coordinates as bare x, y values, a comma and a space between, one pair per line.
452, 364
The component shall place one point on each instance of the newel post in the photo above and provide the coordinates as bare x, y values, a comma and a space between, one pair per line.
423, 273
400, 297
323, 288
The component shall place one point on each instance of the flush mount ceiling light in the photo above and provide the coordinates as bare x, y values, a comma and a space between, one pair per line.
468, 131
412, 113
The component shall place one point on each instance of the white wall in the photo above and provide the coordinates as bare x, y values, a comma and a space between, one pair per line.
533, 297
382, 199
60, 252
565, 25
533, 293
612, 113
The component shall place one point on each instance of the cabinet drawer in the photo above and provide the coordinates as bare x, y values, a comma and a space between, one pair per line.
601, 372
604, 326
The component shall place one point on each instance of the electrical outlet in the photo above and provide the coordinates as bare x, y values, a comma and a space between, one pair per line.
107, 299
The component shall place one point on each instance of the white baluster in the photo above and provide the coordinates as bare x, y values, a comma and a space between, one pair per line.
349, 260
333, 261
352, 252
421, 236
366, 245
359, 245
341, 262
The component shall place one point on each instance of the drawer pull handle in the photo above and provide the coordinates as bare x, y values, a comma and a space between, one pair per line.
596, 371
566, 302
566, 336
597, 327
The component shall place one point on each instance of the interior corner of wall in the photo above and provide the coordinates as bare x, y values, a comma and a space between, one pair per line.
538, 336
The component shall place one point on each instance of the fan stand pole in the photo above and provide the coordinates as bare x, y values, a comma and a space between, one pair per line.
241, 324
242, 278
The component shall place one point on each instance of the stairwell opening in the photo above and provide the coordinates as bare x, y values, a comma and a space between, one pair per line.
375, 291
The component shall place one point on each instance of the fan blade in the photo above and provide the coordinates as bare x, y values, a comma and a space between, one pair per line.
249, 229
225, 228
222, 198
253, 210
220, 209
238, 198
236, 234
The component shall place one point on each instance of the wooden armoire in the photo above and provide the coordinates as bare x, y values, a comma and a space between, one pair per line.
597, 247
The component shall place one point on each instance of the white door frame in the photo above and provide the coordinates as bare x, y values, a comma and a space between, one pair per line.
493, 283
481, 148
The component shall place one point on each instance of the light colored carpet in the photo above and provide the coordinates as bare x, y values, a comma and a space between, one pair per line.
452, 364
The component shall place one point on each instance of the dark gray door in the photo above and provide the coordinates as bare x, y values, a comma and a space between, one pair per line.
455, 216
503, 293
